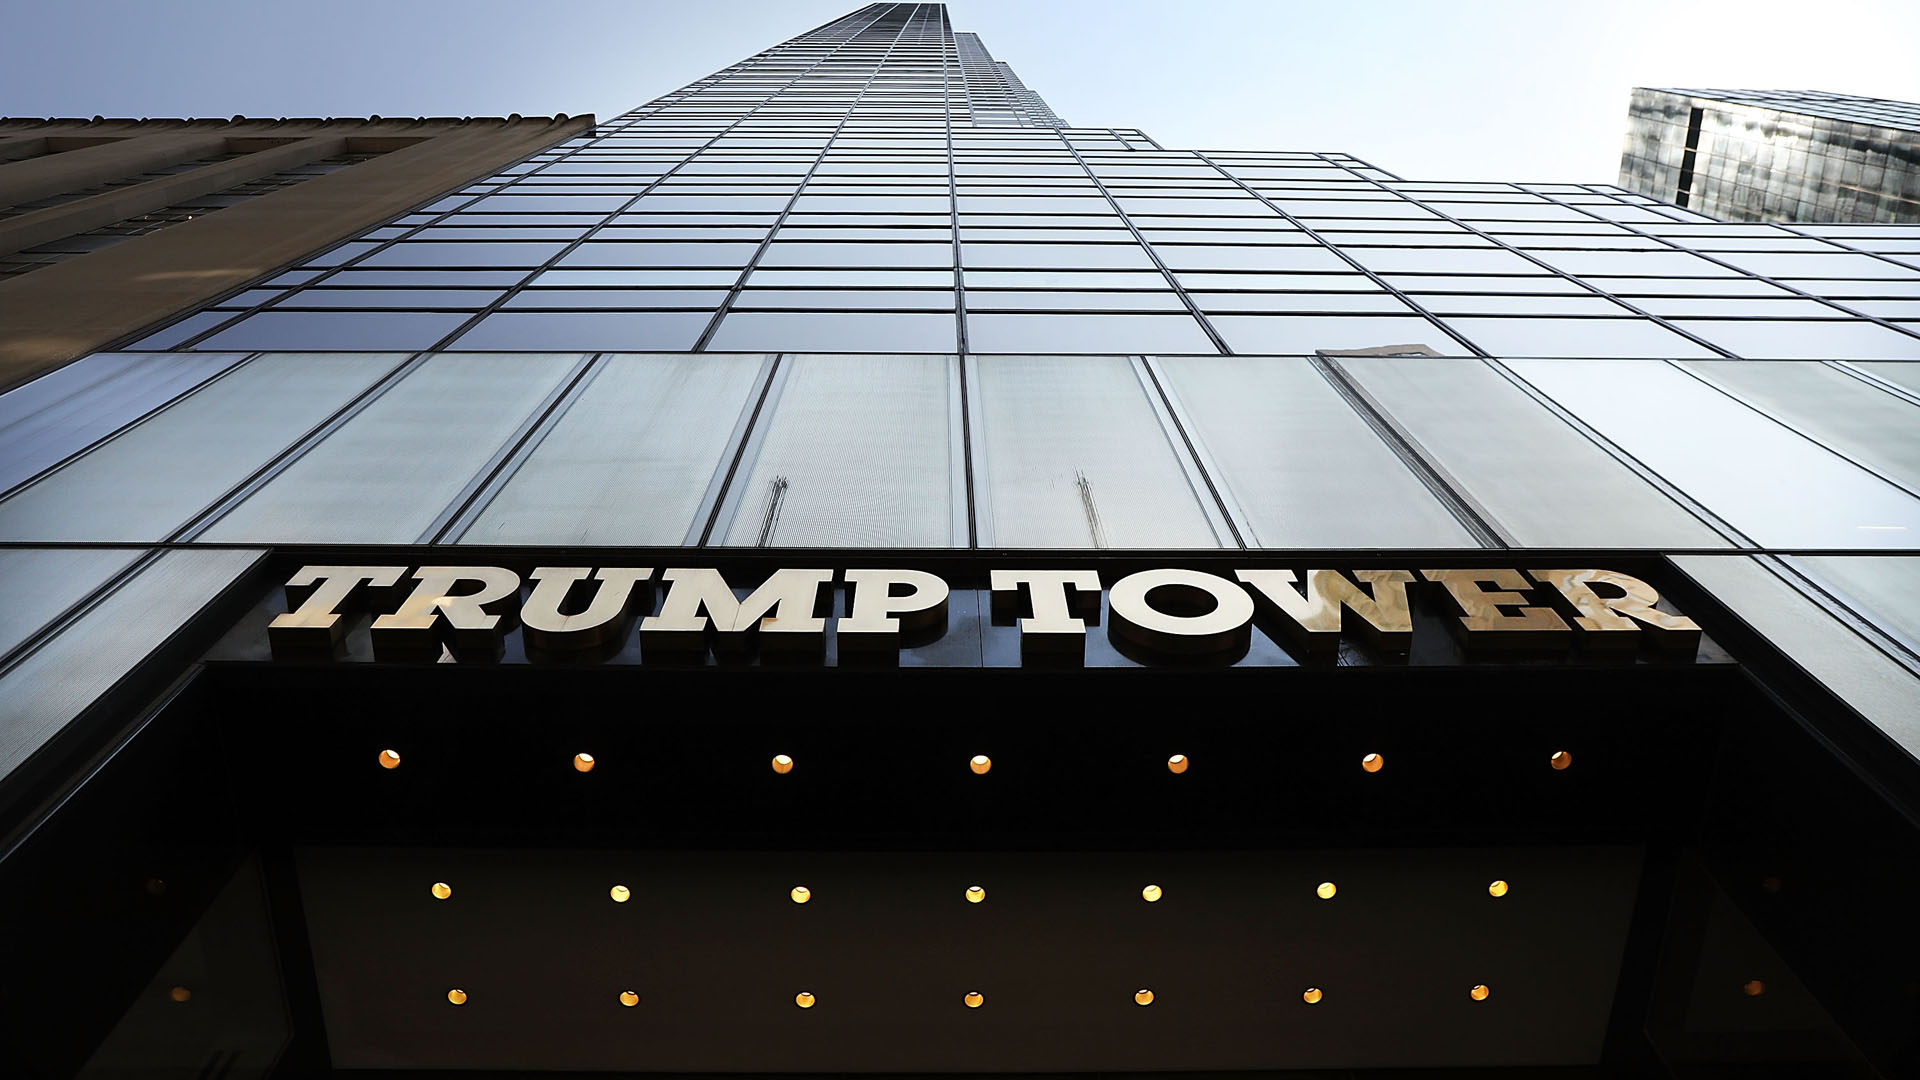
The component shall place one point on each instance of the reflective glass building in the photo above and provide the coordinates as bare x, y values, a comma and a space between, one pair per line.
1775, 155
467, 650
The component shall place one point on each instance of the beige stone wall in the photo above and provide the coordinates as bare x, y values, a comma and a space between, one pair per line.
61, 312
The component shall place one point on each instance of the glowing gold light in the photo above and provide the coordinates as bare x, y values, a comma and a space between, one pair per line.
583, 763
1480, 993
980, 764
1151, 894
975, 894
1560, 759
629, 998
1325, 890
1177, 763
803, 999
801, 894
1143, 996
1373, 763
1312, 996
457, 997
782, 764
180, 994
389, 759
975, 999
1497, 889
441, 890
1753, 988
620, 893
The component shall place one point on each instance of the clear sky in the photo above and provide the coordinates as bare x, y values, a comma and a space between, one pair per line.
1460, 89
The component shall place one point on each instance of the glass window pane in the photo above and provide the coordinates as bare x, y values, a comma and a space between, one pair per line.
1734, 461
1546, 483
1882, 588
1304, 468
1863, 422
1861, 675
1306, 334
1577, 337
51, 687
387, 474
1788, 339
349, 331
149, 479
588, 331
631, 459
1076, 457
62, 411
37, 584
835, 331
1905, 376
858, 453
989, 333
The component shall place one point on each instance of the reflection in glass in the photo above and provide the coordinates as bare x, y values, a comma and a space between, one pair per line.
630, 459
857, 453
1304, 468
1076, 457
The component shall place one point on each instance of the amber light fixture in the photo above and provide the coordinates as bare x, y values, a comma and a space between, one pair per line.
1373, 762
801, 894
782, 764
1312, 995
1480, 992
1143, 996
583, 763
980, 764
1497, 889
1753, 988
389, 759
457, 997
1177, 763
803, 999
975, 999
180, 995
1151, 894
441, 890
1560, 760
1326, 890
629, 998
975, 894
620, 893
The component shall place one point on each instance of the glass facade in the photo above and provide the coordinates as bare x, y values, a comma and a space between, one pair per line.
865, 294
1776, 155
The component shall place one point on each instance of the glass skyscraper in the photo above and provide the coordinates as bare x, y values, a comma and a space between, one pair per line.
1776, 155
864, 300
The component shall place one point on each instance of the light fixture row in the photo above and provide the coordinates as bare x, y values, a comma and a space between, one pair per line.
975, 894
981, 764
974, 999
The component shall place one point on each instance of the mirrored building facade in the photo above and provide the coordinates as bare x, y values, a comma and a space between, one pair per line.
1775, 155
865, 300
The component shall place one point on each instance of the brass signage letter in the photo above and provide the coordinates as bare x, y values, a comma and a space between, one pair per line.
782, 610
1488, 627
1314, 619
314, 624
1615, 621
1223, 627
878, 614
1054, 628
546, 628
470, 620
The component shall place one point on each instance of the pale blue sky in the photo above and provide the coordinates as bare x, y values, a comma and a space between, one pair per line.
1469, 89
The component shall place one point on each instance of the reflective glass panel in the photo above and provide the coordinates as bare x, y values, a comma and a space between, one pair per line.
385, 475
857, 453
1076, 457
